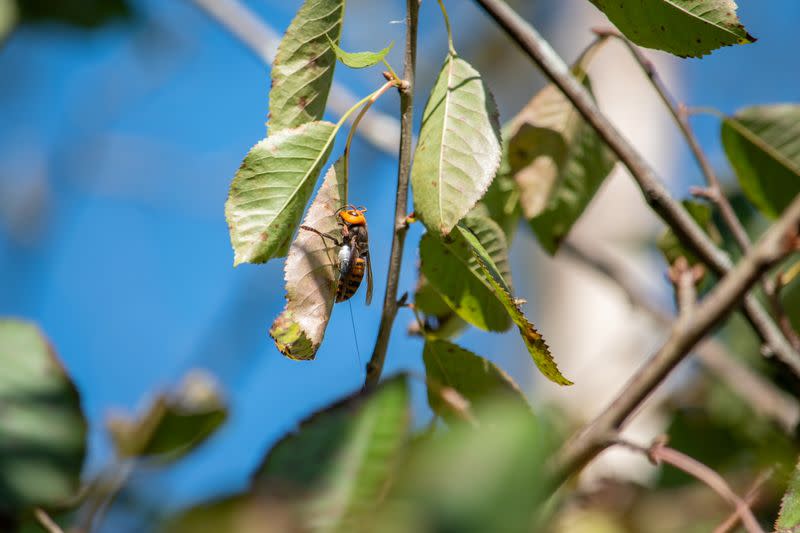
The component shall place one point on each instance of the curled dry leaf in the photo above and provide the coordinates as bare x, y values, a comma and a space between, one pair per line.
310, 274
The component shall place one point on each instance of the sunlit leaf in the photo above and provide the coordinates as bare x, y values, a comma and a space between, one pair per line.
9, 16
672, 248
558, 161
173, 424
271, 190
360, 59
763, 145
302, 72
475, 378
686, 28
340, 461
789, 517
534, 341
474, 480
459, 147
452, 270
501, 201
310, 273
42, 427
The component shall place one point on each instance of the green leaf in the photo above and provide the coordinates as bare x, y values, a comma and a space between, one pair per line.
501, 201
474, 480
475, 378
672, 248
534, 341
174, 424
440, 320
452, 270
686, 28
789, 517
763, 146
42, 427
310, 273
459, 147
342, 458
271, 189
360, 59
302, 72
559, 163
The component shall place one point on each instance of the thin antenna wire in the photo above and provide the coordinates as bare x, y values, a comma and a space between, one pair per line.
355, 338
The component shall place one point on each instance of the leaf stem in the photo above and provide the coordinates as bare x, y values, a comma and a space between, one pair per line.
390, 69
449, 30
367, 103
389, 312
654, 191
658, 452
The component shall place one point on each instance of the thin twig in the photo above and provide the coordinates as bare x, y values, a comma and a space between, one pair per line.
380, 129
749, 499
375, 365
46, 522
714, 190
759, 393
658, 453
656, 195
716, 306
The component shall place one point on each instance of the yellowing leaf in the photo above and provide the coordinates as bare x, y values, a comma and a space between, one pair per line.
310, 273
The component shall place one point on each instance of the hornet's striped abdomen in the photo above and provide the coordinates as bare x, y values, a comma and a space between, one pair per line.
350, 281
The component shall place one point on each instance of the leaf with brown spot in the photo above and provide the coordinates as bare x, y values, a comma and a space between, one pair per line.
271, 189
686, 28
310, 273
302, 72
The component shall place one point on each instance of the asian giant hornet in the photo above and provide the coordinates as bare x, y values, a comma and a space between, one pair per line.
353, 255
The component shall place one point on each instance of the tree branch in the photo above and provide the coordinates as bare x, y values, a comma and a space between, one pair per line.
656, 195
714, 190
375, 365
380, 129
749, 499
760, 394
776, 243
659, 453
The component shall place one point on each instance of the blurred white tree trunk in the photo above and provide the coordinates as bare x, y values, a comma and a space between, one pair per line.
596, 337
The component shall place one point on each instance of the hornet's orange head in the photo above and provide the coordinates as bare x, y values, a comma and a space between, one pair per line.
353, 216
